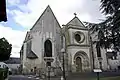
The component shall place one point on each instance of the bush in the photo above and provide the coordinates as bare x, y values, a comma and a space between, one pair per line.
3, 73
6, 72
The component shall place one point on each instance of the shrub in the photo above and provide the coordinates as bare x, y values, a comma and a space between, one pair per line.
3, 73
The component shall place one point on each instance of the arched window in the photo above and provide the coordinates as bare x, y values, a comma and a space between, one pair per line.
48, 48
98, 49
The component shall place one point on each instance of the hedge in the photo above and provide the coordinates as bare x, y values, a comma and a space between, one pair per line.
3, 73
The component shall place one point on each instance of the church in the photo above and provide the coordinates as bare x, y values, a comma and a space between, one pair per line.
49, 44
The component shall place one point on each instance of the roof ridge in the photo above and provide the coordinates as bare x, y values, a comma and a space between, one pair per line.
40, 17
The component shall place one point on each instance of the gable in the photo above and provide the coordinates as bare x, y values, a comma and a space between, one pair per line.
76, 23
47, 18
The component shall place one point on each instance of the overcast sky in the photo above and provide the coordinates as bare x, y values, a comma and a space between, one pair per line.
22, 14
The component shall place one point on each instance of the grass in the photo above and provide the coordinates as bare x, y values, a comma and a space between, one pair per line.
109, 78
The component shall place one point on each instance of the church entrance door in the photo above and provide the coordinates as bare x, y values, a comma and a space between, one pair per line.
78, 64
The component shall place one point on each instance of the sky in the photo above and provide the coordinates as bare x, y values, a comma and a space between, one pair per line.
22, 14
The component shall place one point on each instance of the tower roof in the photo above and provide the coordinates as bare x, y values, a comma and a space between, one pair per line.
75, 22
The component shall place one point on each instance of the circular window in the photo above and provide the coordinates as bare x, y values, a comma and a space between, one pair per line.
77, 37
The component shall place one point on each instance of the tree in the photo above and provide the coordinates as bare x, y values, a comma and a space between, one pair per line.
103, 34
110, 6
109, 29
5, 49
112, 23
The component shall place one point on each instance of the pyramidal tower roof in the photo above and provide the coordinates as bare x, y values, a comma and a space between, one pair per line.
75, 22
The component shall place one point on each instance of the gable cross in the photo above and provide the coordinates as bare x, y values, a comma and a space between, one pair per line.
75, 14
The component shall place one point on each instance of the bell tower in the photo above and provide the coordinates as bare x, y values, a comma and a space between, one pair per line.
77, 46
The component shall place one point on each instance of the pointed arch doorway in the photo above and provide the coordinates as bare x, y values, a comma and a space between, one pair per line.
78, 64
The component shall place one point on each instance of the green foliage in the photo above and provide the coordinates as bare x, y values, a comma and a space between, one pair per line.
112, 23
5, 49
110, 6
109, 29
3, 73
102, 34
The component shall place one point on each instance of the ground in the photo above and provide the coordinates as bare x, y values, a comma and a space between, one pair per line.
22, 77
18, 77
109, 78
75, 76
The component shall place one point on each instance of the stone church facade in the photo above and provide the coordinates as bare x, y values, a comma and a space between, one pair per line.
46, 39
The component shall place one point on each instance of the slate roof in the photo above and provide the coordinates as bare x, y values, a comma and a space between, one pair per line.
32, 55
13, 60
111, 54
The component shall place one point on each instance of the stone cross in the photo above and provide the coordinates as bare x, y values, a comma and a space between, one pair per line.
75, 14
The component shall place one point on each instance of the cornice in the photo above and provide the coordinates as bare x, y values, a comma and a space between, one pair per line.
78, 45
78, 28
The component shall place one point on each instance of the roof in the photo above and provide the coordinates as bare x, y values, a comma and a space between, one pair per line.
32, 55
110, 54
75, 22
13, 60
2, 63
48, 8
